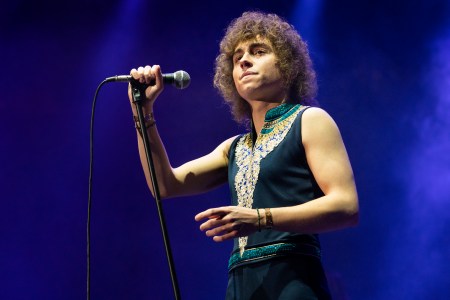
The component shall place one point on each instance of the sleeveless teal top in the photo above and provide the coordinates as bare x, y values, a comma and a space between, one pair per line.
272, 171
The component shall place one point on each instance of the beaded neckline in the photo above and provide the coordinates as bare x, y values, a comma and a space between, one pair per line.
277, 115
277, 112
274, 116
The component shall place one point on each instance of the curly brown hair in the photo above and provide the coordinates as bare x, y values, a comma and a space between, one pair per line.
292, 55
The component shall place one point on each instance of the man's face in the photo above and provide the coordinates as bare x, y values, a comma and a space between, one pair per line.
255, 74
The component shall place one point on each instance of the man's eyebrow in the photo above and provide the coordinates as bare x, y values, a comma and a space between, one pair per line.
260, 44
252, 46
238, 50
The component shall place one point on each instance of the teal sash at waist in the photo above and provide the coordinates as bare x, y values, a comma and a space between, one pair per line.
265, 252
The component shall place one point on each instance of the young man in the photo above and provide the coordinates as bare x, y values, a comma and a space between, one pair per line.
290, 176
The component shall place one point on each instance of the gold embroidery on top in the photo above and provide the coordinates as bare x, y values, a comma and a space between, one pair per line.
248, 160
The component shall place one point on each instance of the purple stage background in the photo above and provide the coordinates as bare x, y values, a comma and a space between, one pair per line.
384, 75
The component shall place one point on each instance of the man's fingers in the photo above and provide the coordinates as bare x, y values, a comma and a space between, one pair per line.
230, 235
215, 217
224, 229
213, 223
212, 213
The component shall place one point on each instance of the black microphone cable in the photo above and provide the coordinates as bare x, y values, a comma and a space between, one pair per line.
91, 167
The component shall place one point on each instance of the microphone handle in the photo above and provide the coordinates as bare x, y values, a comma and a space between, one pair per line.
167, 79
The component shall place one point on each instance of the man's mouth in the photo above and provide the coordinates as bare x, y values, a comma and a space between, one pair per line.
246, 73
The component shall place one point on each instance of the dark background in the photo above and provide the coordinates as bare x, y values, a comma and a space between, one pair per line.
384, 75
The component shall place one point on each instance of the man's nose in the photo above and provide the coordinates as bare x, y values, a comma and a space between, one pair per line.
246, 61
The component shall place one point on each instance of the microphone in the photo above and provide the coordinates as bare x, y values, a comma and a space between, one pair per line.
179, 79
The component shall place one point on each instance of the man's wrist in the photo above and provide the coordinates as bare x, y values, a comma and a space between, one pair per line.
268, 220
149, 121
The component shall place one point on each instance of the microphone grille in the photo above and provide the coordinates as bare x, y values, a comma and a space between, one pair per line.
181, 79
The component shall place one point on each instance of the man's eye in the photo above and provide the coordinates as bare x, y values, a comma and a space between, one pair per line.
260, 51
